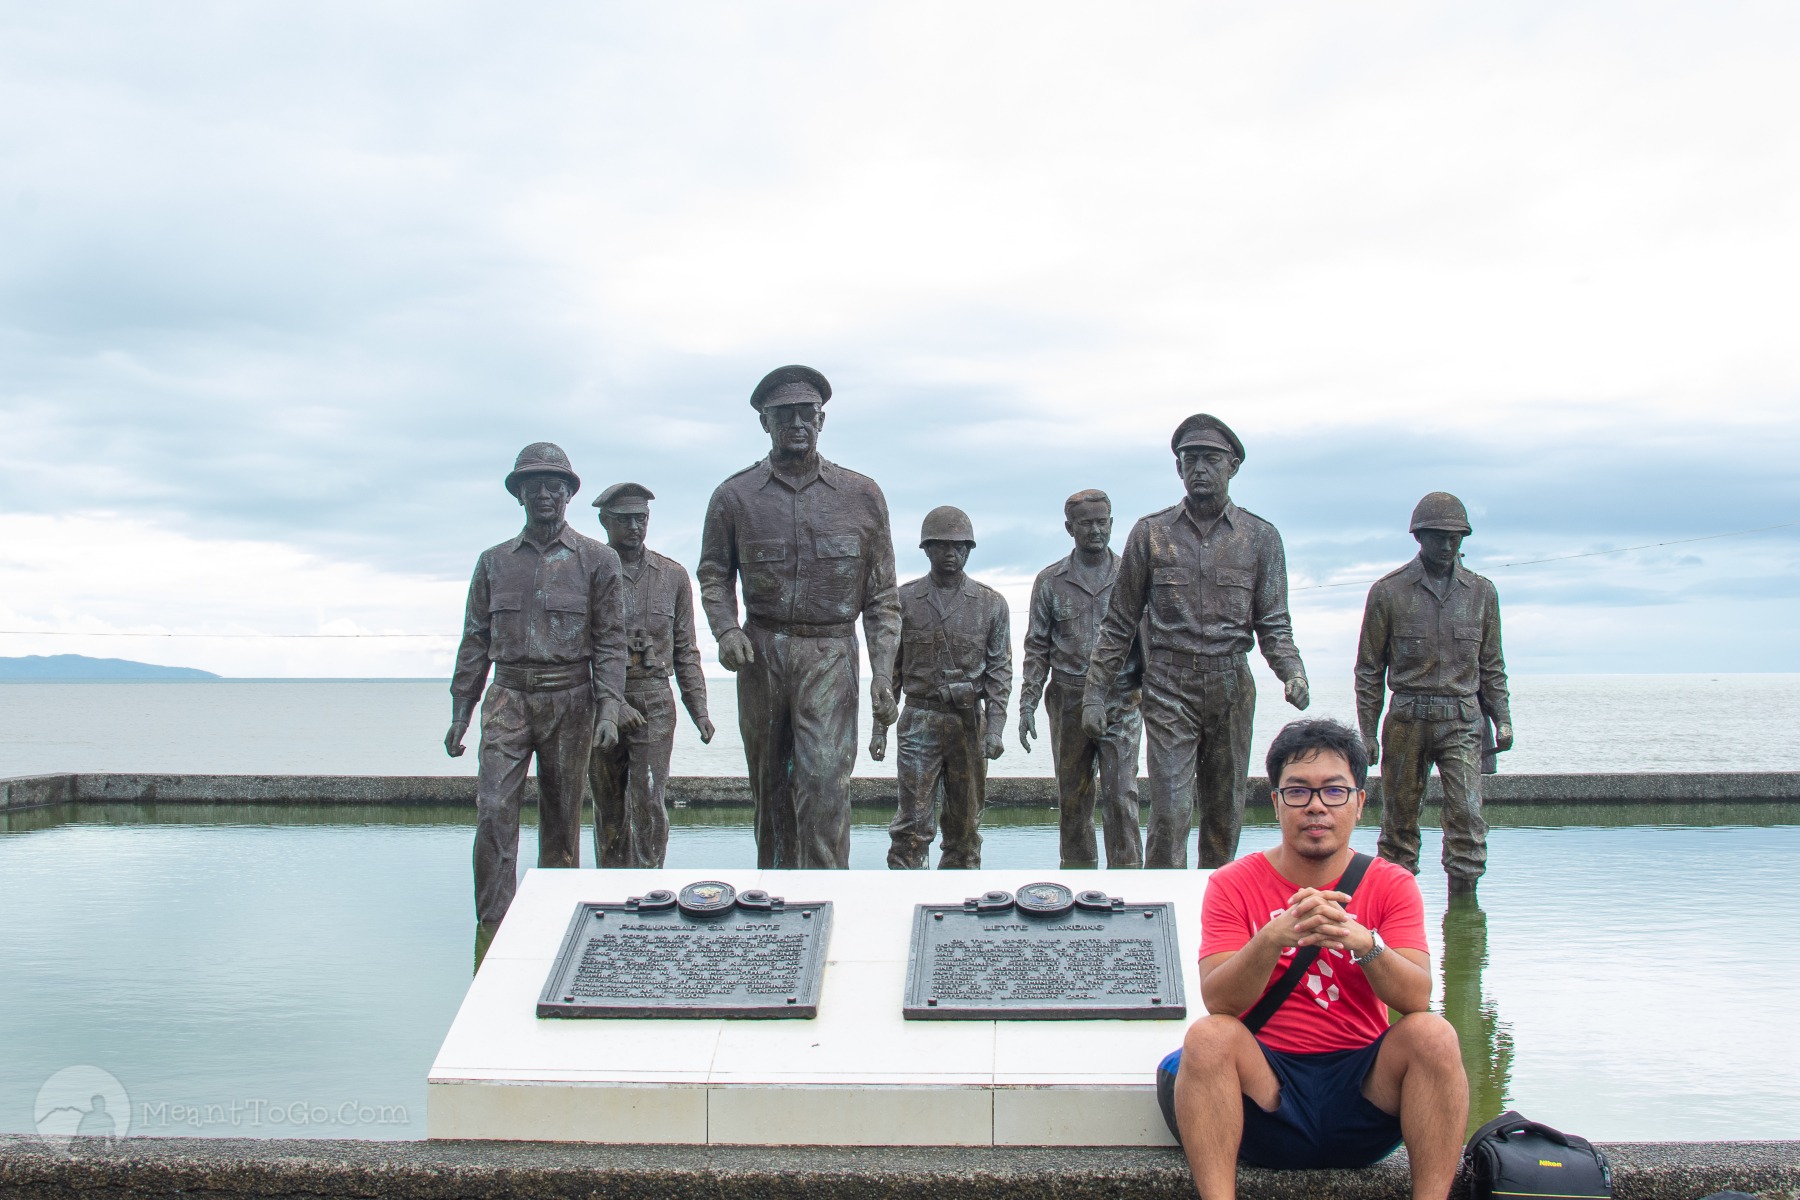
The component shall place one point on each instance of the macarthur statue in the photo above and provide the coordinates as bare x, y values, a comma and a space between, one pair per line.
544, 615
955, 668
631, 826
809, 543
1431, 636
1207, 580
1068, 602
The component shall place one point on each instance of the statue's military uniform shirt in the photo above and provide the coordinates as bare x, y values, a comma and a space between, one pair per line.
1431, 639
1064, 625
1334, 1008
659, 627
557, 604
955, 637
814, 554
1211, 592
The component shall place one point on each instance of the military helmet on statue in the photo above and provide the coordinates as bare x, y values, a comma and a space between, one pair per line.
947, 524
1441, 510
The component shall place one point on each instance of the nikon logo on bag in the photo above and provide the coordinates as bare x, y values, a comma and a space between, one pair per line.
1544, 1162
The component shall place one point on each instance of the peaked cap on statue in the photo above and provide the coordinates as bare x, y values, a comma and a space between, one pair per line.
1204, 429
791, 385
542, 458
625, 498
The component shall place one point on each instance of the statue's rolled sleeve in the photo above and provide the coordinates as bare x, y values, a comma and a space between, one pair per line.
1495, 701
717, 569
881, 594
1036, 668
1372, 662
1274, 626
690, 673
469, 679
606, 633
1123, 614
997, 671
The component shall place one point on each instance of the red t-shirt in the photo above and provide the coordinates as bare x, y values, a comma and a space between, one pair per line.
1334, 1008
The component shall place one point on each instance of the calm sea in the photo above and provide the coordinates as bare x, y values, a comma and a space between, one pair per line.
1575, 723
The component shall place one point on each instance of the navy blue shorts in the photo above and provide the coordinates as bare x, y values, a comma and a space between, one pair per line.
1322, 1120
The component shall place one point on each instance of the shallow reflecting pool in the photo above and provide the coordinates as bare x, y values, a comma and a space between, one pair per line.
286, 972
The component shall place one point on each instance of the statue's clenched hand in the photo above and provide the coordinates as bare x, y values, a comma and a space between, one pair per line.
1297, 692
882, 701
735, 651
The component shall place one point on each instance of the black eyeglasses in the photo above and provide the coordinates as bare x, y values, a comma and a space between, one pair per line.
1332, 797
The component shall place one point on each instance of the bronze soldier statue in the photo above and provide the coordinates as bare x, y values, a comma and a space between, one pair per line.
631, 826
955, 668
544, 609
1068, 602
1208, 580
1431, 635
811, 544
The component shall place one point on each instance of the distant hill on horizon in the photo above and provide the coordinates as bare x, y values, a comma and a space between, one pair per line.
64, 668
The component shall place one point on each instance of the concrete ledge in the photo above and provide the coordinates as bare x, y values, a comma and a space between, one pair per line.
36, 791
202, 1168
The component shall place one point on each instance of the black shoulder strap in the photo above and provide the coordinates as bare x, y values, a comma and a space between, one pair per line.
1284, 987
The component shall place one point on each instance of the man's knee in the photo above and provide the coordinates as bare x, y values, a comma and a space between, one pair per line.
1213, 1041
1427, 1039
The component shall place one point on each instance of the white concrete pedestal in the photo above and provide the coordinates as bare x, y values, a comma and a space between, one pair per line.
857, 1075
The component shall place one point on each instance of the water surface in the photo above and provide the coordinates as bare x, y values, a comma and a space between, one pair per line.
230, 965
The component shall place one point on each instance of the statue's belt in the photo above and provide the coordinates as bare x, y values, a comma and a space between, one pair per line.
1182, 660
1431, 708
542, 679
806, 629
933, 704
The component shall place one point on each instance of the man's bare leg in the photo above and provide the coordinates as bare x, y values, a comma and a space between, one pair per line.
1220, 1064
1418, 1075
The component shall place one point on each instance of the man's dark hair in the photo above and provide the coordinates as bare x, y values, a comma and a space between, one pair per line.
1303, 739
1088, 496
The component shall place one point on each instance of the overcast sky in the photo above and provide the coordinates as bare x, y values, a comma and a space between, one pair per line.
284, 287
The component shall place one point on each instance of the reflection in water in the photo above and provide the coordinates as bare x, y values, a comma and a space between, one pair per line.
1487, 1045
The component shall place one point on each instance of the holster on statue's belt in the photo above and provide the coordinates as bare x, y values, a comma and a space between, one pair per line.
1415, 707
645, 683
1181, 660
542, 679
806, 629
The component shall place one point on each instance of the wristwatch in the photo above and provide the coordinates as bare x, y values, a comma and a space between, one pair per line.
1376, 947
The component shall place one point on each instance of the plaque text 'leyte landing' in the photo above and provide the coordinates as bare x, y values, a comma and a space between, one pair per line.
1044, 957
758, 957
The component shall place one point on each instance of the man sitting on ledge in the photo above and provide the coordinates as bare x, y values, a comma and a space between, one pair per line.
1322, 1080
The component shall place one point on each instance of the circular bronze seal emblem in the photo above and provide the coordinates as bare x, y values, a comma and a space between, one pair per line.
707, 898
1044, 899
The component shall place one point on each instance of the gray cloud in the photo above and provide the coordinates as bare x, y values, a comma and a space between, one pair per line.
313, 273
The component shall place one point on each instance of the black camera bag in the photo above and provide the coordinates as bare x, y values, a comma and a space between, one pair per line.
1511, 1156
